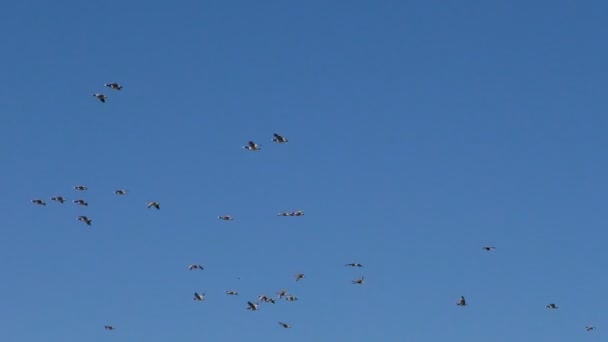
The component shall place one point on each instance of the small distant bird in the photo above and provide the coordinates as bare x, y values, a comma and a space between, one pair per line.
38, 201
284, 325
85, 220
590, 327
226, 218
81, 202
291, 298
299, 276
251, 146
80, 188
101, 97
282, 293
232, 293
270, 300
252, 306
120, 192
359, 281
113, 85
297, 213
195, 267
279, 139
551, 306
199, 296
461, 301
489, 248
153, 204
109, 327
285, 213
263, 298
58, 199
354, 265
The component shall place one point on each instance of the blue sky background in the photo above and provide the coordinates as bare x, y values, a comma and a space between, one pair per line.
419, 131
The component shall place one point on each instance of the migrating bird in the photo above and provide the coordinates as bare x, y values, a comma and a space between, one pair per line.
279, 139
232, 293
284, 325
489, 248
253, 307
85, 220
291, 298
113, 85
81, 202
38, 201
120, 192
590, 327
299, 276
58, 199
551, 306
251, 146
195, 267
359, 281
354, 265
109, 327
80, 188
101, 97
198, 296
153, 204
226, 218
461, 301
282, 293
297, 213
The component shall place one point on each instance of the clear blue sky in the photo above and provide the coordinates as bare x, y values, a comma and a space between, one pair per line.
419, 131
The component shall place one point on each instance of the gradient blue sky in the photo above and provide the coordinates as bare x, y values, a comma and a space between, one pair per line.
419, 131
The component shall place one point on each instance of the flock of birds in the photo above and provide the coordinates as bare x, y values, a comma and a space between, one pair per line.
251, 305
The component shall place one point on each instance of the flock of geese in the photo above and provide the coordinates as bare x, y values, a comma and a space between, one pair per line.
252, 305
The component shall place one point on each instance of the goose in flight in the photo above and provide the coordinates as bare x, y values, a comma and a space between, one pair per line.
297, 213
461, 301
85, 220
81, 202
354, 265
195, 267
80, 188
38, 201
299, 276
282, 293
113, 85
253, 306
284, 325
58, 199
199, 296
251, 146
101, 97
279, 139
489, 248
232, 293
226, 218
291, 298
590, 327
153, 204
359, 281
120, 192
109, 327
551, 306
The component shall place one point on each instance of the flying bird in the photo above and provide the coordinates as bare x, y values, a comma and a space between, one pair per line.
297, 213
81, 202
461, 301
226, 218
590, 327
354, 265
232, 293
279, 139
58, 199
299, 276
251, 146
291, 298
38, 201
101, 97
359, 281
109, 327
199, 296
80, 188
489, 248
113, 85
284, 325
195, 267
551, 306
282, 293
252, 306
153, 204
120, 192
85, 220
